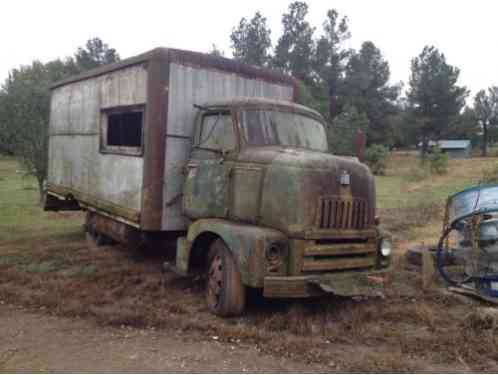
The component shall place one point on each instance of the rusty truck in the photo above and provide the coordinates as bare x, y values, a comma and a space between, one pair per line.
218, 156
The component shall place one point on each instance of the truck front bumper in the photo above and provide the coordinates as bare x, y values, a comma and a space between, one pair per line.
359, 283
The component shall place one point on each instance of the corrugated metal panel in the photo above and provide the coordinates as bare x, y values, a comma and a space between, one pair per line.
192, 85
124, 87
183, 57
75, 161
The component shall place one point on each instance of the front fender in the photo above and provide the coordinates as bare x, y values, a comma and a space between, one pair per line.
248, 244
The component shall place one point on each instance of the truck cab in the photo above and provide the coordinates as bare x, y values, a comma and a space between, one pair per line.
271, 208
175, 146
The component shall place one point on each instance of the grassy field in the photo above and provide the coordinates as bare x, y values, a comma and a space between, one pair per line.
411, 200
407, 183
45, 264
21, 219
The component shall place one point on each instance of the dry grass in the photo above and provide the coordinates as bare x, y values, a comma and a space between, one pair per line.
406, 331
411, 200
409, 330
407, 182
403, 220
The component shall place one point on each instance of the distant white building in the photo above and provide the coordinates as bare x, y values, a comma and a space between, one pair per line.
456, 149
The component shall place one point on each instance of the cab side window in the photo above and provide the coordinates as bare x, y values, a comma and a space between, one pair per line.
217, 132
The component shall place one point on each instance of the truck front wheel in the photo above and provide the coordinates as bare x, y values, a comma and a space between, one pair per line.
225, 294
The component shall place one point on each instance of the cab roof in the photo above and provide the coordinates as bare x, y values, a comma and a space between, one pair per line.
249, 102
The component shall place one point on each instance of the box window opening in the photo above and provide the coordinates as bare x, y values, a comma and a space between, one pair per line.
124, 129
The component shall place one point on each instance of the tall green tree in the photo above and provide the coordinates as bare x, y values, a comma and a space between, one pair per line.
330, 57
342, 132
6, 136
215, 51
95, 53
251, 41
464, 126
296, 45
366, 86
401, 124
486, 112
25, 107
434, 95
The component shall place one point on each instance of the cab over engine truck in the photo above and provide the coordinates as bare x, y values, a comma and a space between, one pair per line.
218, 156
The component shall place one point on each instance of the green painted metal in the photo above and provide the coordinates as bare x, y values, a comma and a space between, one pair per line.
248, 243
259, 195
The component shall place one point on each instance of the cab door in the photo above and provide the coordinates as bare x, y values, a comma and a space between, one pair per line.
206, 188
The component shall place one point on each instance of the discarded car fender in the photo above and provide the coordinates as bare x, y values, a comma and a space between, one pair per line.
248, 243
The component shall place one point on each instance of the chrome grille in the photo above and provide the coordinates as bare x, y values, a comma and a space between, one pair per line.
339, 213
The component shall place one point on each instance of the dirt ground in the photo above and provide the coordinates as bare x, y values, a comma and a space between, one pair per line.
116, 311
40, 342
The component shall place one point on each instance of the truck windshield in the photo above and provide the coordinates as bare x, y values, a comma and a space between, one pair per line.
272, 127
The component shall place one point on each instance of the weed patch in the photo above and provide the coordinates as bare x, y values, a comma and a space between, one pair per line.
76, 271
417, 173
404, 219
43, 267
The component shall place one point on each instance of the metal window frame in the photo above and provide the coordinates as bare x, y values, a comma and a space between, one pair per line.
104, 148
200, 126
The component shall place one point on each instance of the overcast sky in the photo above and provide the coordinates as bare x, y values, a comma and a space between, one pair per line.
464, 30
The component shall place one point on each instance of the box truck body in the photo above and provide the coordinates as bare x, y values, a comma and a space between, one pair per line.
136, 177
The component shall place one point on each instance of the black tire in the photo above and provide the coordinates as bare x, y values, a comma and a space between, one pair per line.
98, 240
444, 263
92, 242
225, 293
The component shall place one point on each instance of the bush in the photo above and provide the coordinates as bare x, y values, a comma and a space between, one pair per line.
438, 161
489, 176
418, 172
376, 158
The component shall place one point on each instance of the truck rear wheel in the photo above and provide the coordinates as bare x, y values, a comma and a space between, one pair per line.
95, 239
225, 294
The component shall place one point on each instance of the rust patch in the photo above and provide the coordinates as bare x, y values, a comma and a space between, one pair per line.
117, 231
155, 143
188, 58
86, 200
360, 142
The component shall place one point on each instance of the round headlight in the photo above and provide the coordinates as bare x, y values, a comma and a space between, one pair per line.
274, 257
273, 254
385, 247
